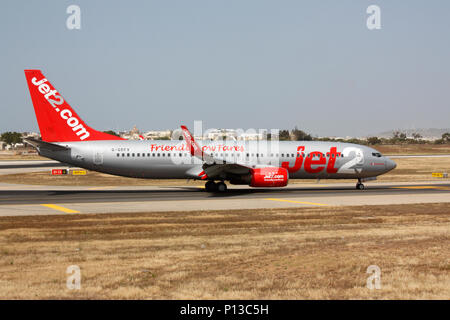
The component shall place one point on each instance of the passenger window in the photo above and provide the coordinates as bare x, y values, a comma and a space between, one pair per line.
123, 154
118, 154
159, 154
138, 154
128, 154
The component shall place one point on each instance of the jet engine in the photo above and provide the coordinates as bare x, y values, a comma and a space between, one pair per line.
269, 177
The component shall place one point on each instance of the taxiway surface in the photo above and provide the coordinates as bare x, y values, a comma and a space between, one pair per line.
31, 200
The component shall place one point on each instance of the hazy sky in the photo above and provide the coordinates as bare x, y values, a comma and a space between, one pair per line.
233, 64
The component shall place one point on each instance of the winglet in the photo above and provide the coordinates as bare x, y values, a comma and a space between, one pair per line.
195, 149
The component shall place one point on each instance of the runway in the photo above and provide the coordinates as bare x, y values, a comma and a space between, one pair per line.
150, 194
31, 200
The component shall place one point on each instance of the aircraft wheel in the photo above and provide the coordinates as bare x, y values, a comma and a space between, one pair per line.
210, 186
221, 187
359, 186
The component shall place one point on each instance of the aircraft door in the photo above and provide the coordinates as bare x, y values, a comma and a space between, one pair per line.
98, 158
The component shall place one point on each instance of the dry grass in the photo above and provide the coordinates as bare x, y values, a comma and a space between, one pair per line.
28, 154
396, 149
296, 253
408, 170
417, 169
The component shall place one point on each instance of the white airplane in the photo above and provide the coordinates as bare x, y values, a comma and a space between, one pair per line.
67, 138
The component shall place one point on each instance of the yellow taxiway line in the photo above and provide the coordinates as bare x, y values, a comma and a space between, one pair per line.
301, 202
101, 188
59, 208
424, 187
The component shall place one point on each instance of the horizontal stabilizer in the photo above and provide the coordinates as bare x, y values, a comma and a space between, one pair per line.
39, 144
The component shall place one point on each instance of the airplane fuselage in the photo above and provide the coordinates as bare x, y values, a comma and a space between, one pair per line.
167, 159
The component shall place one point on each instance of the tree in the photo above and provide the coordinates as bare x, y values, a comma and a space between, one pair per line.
373, 140
417, 136
284, 135
299, 135
11, 137
446, 137
398, 136
111, 132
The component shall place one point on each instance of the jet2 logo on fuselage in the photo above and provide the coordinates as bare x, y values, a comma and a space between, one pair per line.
316, 161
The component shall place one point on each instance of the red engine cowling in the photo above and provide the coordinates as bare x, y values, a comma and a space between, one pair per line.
269, 177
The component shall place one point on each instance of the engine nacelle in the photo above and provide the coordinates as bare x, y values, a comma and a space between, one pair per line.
269, 177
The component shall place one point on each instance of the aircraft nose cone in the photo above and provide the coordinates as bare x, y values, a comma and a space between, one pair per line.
390, 165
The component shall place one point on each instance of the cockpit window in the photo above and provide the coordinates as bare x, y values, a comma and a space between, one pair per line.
376, 154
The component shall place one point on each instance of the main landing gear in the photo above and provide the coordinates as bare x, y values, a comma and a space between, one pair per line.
211, 186
359, 185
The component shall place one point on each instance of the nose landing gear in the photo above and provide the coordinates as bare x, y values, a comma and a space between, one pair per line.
359, 185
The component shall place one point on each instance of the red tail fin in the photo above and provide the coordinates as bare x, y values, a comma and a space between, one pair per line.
57, 121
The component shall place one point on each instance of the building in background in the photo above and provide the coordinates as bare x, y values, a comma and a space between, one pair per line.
157, 135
